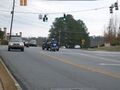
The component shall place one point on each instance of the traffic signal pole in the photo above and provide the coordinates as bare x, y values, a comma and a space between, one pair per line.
12, 12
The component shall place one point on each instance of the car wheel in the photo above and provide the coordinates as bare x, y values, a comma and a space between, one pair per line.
47, 48
43, 48
8, 49
22, 49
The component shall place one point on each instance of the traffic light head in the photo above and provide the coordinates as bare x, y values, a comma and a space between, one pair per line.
45, 18
116, 6
23, 2
64, 16
111, 9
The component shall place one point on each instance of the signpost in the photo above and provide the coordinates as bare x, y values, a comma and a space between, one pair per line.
83, 42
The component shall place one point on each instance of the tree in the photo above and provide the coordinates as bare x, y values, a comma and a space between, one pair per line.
69, 32
1, 35
112, 33
118, 34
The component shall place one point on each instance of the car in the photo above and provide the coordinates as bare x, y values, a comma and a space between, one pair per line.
15, 42
33, 43
54, 46
51, 45
44, 45
26, 44
77, 47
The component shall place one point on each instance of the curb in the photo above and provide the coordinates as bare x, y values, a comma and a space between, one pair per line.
15, 81
1, 85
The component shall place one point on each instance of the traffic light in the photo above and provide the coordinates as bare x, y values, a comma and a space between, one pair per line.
45, 18
116, 6
23, 2
64, 16
111, 9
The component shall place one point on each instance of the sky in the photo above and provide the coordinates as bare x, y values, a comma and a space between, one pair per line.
95, 15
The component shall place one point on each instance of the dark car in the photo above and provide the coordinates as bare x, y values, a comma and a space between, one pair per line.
46, 45
50, 45
54, 46
26, 44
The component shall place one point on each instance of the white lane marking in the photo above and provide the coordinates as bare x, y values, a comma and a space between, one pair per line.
88, 55
105, 59
106, 55
84, 67
108, 64
105, 52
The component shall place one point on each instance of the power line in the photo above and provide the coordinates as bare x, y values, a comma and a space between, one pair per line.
85, 10
25, 22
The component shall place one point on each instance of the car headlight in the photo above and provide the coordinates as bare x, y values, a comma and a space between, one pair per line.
11, 44
21, 44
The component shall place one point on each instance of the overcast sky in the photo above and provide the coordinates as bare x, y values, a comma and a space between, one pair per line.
28, 23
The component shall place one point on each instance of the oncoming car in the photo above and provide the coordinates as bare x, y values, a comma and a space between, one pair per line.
15, 42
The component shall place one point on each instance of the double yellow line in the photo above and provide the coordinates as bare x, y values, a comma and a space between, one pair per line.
84, 67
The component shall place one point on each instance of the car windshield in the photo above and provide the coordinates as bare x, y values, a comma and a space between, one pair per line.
16, 39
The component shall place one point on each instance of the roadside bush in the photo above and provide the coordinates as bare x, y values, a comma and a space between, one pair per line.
115, 43
4, 42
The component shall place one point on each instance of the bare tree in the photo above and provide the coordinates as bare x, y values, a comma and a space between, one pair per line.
110, 32
118, 34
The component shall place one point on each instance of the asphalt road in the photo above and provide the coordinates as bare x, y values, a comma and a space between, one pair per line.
68, 69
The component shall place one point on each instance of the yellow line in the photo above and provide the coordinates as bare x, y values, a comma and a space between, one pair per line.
84, 67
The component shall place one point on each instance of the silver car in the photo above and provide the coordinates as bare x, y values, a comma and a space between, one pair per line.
15, 42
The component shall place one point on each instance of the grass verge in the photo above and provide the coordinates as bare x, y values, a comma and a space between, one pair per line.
6, 81
111, 48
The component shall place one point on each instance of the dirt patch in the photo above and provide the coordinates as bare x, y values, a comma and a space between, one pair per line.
6, 83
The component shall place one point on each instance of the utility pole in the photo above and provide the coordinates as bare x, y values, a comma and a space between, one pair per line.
12, 12
59, 38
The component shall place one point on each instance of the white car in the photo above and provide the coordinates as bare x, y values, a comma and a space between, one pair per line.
77, 46
15, 42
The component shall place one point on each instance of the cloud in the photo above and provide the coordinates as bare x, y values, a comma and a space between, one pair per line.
31, 25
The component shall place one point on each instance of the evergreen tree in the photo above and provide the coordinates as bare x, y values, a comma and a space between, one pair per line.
69, 32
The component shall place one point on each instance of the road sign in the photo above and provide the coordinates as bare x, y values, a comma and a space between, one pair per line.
23, 2
83, 41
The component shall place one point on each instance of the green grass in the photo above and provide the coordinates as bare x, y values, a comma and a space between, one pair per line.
111, 48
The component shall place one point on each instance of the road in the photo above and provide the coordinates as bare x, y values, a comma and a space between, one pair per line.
68, 69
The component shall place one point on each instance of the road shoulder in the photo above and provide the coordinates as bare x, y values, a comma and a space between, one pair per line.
7, 81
